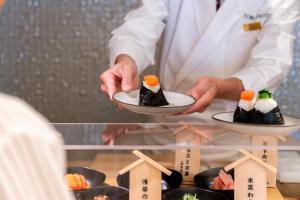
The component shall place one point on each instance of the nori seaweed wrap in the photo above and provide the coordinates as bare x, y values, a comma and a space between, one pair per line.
244, 111
266, 110
150, 93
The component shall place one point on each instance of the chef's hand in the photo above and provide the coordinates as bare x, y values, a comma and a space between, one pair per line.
209, 88
122, 76
113, 131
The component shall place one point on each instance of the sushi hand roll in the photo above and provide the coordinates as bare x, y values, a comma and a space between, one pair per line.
266, 110
150, 93
245, 108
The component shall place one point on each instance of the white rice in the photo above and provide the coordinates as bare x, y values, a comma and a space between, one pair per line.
153, 89
246, 105
265, 105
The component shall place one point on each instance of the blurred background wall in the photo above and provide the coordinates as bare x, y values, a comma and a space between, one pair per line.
52, 52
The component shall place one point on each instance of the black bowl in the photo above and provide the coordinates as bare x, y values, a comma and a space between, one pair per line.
93, 177
114, 193
167, 182
204, 180
177, 194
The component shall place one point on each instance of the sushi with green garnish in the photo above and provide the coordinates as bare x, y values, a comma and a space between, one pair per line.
245, 109
266, 110
150, 93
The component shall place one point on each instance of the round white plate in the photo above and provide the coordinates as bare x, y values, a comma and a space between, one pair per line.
179, 102
225, 119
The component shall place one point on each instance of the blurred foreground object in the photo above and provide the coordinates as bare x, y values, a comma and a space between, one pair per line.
31, 155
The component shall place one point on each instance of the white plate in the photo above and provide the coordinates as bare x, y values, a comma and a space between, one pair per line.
225, 119
179, 102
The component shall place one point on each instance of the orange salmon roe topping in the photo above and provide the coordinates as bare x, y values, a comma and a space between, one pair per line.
151, 80
247, 95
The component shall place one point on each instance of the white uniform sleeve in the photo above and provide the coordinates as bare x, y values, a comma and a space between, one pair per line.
272, 58
31, 155
138, 36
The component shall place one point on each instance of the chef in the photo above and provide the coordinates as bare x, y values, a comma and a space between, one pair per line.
212, 49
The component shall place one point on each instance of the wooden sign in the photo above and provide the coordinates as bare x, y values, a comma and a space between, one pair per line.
250, 177
250, 181
145, 182
144, 178
268, 156
187, 160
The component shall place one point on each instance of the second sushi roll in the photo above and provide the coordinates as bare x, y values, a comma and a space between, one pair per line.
263, 110
266, 110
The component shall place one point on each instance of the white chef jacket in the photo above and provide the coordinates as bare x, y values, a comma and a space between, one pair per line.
31, 155
199, 41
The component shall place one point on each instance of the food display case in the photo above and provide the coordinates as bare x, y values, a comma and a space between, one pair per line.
195, 154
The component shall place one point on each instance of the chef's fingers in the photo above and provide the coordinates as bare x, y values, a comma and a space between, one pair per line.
202, 103
111, 86
198, 106
112, 141
109, 142
200, 88
104, 90
109, 82
206, 100
105, 136
128, 75
111, 131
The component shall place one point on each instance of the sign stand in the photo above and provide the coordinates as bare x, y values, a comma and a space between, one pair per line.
268, 156
144, 178
187, 160
250, 177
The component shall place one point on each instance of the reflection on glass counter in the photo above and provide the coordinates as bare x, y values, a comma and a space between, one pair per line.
190, 149
162, 136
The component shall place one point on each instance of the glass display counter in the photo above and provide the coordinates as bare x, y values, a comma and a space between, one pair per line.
188, 148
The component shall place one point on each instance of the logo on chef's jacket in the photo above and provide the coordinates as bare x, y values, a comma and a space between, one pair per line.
257, 21
258, 16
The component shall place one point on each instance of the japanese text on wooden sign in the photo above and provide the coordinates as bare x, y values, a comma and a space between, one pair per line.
145, 189
185, 170
250, 188
264, 156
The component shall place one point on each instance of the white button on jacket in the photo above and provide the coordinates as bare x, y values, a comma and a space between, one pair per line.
198, 41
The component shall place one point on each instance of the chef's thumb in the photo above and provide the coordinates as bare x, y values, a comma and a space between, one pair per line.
127, 79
